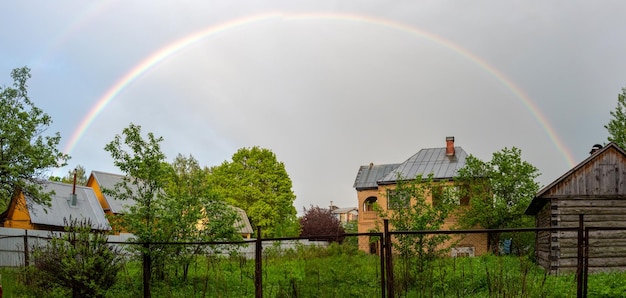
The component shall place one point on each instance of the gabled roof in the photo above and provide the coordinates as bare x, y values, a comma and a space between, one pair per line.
540, 198
87, 207
368, 176
242, 223
428, 161
108, 181
425, 162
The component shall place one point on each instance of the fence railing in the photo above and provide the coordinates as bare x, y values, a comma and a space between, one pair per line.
16, 245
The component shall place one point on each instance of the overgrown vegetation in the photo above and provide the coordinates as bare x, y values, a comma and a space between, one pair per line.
78, 262
341, 270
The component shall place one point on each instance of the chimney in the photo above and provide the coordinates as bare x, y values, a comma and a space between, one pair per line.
371, 165
73, 196
450, 146
595, 148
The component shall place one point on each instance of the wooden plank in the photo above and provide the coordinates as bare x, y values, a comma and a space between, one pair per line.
594, 262
591, 202
594, 242
594, 217
592, 210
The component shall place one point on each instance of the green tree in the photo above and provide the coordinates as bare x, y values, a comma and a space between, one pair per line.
81, 176
499, 191
617, 125
26, 153
79, 260
193, 211
258, 183
409, 209
146, 175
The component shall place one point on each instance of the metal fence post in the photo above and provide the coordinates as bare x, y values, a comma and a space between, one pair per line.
388, 260
586, 265
258, 271
579, 268
381, 249
26, 253
147, 264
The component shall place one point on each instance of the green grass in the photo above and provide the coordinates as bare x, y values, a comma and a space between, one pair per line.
340, 271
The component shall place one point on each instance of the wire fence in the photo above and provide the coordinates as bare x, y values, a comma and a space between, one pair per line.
301, 267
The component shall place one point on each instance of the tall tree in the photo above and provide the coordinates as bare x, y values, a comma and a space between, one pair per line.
26, 153
499, 191
318, 221
617, 125
146, 173
417, 204
193, 211
258, 183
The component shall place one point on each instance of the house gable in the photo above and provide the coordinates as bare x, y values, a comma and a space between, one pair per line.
602, 174
24, 213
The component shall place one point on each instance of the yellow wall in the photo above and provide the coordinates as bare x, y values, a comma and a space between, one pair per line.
18, 216
369, 220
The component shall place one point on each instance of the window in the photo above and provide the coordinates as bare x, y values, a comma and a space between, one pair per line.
457, 195
368, 205
397, 200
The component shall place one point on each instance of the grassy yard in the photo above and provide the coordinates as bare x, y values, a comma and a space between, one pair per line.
340, 271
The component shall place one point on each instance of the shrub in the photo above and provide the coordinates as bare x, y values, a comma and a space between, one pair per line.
79, 260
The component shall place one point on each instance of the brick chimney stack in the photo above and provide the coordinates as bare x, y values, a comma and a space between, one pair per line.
449, 146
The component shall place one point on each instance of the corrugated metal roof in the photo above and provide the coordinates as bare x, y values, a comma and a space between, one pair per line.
428, 161
243, 224
344, 210
87, 207
108, 181
368, 176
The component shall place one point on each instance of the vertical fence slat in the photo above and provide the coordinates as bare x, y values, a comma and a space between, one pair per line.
388, 259
579, 267
147, 264
382, 266
26, 257
258, 269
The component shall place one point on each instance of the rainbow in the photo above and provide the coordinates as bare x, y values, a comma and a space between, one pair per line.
175, 47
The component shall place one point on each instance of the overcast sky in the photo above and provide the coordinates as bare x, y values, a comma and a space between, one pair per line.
326, 85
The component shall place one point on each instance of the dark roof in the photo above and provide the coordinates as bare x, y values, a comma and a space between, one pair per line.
368, 176
423, 163
428, 161
539, 200
87, 207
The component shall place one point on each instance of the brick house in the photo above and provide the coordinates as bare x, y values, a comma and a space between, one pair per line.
373, 182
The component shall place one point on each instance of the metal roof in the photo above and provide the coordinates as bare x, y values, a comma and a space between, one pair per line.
243, 223
368, 176
423, 163
428, 161
108, 181
87, 207
344, 210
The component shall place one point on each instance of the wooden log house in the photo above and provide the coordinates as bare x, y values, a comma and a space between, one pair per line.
595, 188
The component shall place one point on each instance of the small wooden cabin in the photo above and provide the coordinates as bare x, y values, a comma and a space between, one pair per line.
67, 201
595, 188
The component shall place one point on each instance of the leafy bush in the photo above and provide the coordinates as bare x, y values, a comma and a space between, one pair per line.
79, 261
